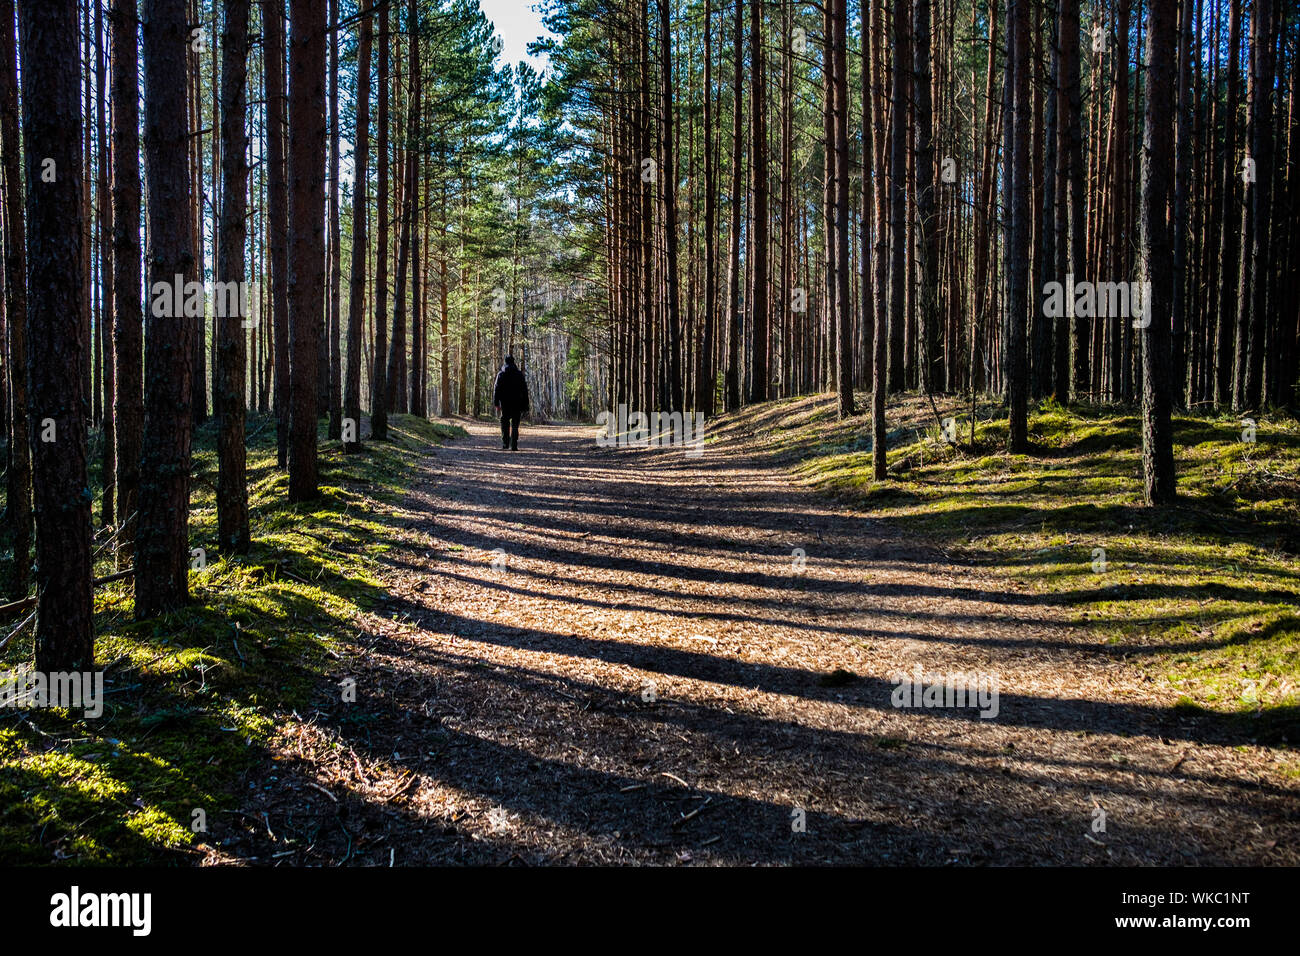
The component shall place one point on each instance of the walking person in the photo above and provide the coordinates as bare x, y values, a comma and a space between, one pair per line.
510, 399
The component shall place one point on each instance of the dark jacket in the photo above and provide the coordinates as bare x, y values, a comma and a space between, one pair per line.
510, 391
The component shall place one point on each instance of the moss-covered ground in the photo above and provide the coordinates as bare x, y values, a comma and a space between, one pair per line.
192, 697
1205, 594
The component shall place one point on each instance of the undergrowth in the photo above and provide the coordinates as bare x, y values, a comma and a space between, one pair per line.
192, 697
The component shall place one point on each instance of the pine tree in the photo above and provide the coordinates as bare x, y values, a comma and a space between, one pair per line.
56, 405
18, 477
232, 351
360, 218
306, 239
162, 540
1157, 255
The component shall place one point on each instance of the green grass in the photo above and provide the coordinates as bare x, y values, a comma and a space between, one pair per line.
1204, 595
193, 696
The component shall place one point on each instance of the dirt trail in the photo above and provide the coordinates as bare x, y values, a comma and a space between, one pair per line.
645, 671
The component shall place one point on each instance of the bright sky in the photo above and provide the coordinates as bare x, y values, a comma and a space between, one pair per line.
518, 22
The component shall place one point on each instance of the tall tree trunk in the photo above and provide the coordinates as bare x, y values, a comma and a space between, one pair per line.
1121, 193
1018, 237
197, 267
277, 214
162, 542
983, 215
737, 224
128, 316
1229, 239
1037, 80
898, 194
307, 241
397, 354
1182, 191
87, 164
444, 338
669, 186
357, 286
55, 317
789, 318
1045, 332
18, 477
379, 378
758, 160
1285, 388
828, 338
931, 337
103, 340
647, 263
396, 376
1157, 255
1253, 284
336, 250
880, 339
843, 305
706, 386
868, 323
1071, 124
232, 352
414, 152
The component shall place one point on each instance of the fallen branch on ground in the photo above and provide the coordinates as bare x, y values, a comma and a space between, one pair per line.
25, 603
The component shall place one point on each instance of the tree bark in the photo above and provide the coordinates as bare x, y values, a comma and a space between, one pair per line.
398, 368
898, 194
706, 384
1071, 124
668, 181
1157, 254
128, 315
18, 477
843, 303
336, 250
1047, 330
307, 239
379, 379
357, 286
1182, 191
162, 544
197, 268
1018, 235
758, 160
103, 338
55, 320
733, 298
880, 338
1255, 261
232, 351
1230, 236
414, 153
931, 336
277, 214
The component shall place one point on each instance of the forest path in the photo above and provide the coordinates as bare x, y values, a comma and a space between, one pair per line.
647, 677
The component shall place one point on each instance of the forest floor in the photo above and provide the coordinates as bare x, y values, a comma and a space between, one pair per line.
580, 654
616, 655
